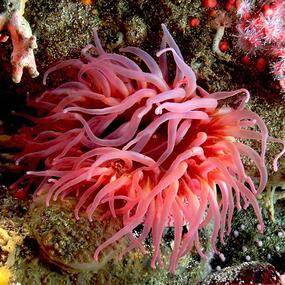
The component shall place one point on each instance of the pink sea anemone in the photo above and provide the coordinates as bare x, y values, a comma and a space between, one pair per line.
152, 149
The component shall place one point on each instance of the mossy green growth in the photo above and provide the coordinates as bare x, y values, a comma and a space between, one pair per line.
60, 250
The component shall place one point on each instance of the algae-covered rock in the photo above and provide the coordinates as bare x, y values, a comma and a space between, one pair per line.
246, 243
60, 249
246, 273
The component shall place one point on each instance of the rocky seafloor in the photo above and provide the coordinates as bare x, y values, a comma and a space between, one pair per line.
43, 245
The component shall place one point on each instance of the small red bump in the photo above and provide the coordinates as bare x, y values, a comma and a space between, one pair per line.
209, 3
224, 46
261, 64
246, 16
238, 3
229, 6
194, 22
267, 10
246, 60
212, 13
20, 194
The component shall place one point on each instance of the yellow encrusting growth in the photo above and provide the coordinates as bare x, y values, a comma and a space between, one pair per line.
5, 275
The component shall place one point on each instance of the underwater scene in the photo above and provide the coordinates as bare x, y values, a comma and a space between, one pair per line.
142, 142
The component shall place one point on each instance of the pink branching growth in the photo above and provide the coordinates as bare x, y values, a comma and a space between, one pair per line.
24, 42
278, 66
263, 31
150, 150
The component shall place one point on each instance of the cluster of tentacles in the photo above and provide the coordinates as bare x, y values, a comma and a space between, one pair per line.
152, 150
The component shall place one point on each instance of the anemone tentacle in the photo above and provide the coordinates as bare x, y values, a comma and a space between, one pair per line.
148, 149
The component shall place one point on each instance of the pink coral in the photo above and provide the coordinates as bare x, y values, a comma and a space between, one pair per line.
263, 31
24, 42
149, 148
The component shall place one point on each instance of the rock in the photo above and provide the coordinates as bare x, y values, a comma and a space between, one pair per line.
246, 273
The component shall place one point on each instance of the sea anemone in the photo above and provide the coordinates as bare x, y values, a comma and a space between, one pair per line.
150, 147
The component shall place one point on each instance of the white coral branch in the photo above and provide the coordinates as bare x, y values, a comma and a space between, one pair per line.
24, 43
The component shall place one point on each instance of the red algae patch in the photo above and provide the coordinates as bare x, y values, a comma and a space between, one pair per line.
146, 147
